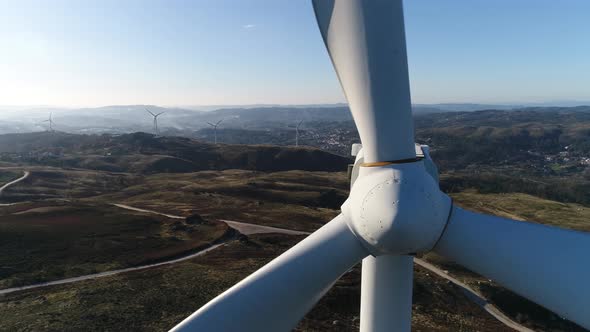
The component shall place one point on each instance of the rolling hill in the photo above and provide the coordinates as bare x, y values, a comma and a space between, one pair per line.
147, 154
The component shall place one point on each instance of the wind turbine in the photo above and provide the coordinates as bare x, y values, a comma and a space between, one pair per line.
215, 128
156, 130
50, 120
395, 209
297, 133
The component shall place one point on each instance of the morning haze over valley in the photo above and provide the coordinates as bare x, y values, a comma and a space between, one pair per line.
153, 154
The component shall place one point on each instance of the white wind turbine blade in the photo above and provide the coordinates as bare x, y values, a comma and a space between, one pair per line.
366, 42
547, 265
278, 295
386, 293
151, 113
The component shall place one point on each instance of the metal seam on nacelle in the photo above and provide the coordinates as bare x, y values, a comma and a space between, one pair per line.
446, 224
392, 162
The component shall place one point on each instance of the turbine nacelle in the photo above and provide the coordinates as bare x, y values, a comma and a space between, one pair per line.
397, 209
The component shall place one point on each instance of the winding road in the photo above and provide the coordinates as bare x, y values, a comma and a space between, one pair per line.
107, 273
243, 228
26, 175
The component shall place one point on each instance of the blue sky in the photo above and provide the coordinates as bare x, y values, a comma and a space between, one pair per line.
203, 52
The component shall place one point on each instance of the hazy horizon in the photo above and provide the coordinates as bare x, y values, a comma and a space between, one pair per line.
558, 103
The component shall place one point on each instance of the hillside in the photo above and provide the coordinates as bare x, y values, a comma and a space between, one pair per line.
147, 154
50, 240
155, 299
514, 134
535, 137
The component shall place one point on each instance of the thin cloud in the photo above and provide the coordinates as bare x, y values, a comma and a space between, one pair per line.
249, 26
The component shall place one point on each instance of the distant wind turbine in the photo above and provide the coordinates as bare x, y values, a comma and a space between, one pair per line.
215, 128
156, 130
50, 120
297, 133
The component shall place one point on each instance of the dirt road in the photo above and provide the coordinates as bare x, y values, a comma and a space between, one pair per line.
474, 297
242, 227
26, 175
106, 274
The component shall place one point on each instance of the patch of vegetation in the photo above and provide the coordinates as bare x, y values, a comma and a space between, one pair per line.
526, 207
526, 312
9, 175
65, 184
573, 189
42, 242
295, 199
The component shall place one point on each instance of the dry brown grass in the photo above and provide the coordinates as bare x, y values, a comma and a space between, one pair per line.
526, 207
43, 242
157, 299
294, 199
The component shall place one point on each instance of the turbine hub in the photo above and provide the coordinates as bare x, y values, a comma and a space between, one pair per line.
397, 209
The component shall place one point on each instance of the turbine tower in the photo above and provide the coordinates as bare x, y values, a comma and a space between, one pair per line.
156, 129
395, 209
215, 128
297, 133
50, 121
